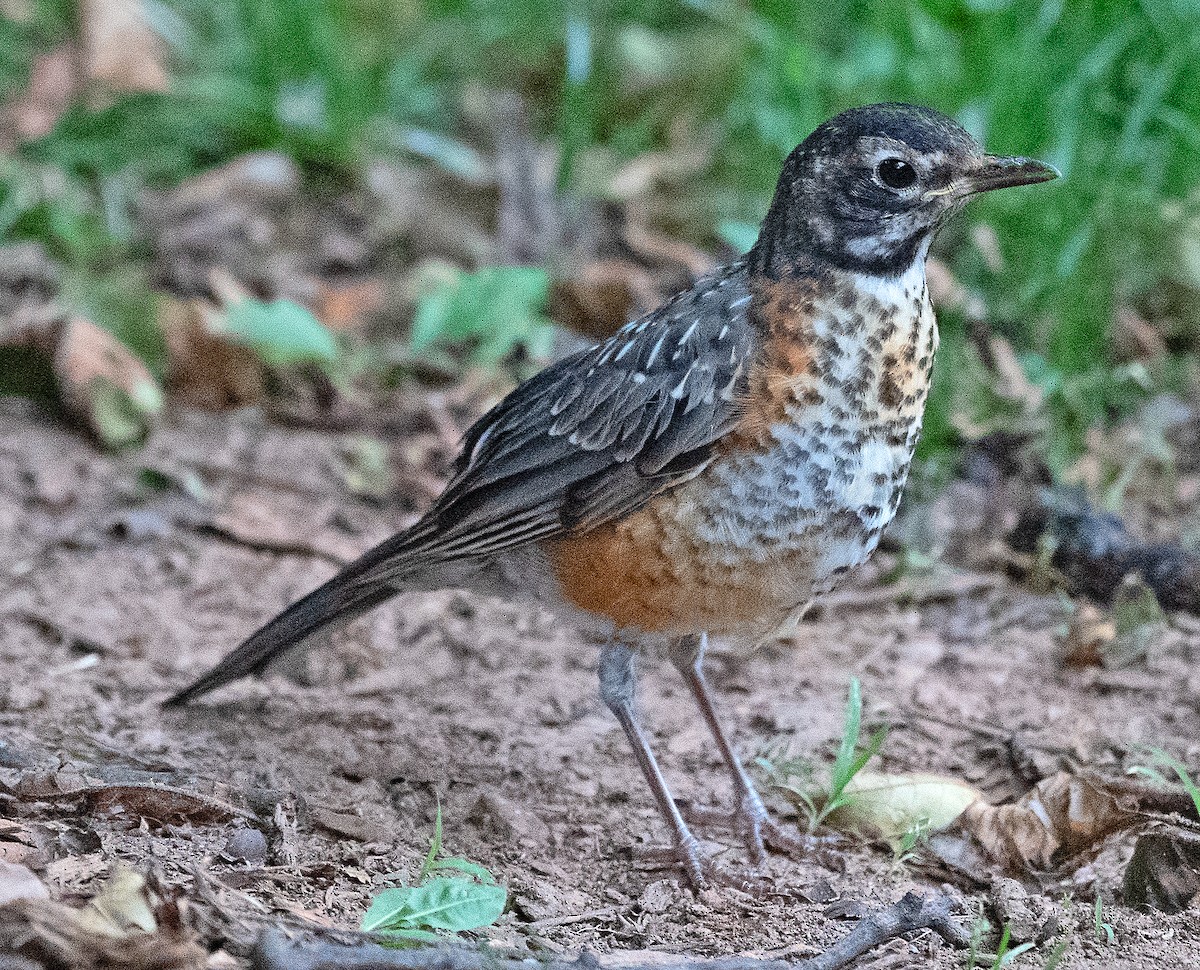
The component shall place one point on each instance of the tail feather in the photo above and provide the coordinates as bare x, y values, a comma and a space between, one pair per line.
340, 600
357, 588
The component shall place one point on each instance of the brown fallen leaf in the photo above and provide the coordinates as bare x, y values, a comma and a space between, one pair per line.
103, 385
348, 305
1089, 634
153, 802
158, 803
1060, 816
204, 369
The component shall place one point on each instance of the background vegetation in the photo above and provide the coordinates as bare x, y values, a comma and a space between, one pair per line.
1107, 91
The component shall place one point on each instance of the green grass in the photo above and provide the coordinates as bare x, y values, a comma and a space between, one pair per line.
1105, 91
291, 76
1005, 955
1103, 930
1162, 759
795, 777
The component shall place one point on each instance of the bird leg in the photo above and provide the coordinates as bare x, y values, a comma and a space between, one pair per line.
750, 817
618, 690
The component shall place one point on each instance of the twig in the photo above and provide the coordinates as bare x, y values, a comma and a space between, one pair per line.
913, 912
275, 951
594, 914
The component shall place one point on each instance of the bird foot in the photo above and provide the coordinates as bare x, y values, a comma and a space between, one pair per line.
697, 869
757, 829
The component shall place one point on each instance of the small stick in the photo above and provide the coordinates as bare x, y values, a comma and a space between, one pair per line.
275, 951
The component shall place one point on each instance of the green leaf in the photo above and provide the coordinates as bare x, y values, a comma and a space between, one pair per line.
498, 309
281, 332
844, 764
442, 904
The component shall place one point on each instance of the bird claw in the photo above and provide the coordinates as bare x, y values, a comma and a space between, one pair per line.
697, 869
758, 830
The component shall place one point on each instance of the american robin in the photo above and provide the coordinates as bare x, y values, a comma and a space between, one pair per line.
715, 464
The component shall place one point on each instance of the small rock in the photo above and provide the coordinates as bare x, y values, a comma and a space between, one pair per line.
1016, 910
1164, 872
246, 845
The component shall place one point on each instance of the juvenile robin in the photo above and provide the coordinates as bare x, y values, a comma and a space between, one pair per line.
717, 463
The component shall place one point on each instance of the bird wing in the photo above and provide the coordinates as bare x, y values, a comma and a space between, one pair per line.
595, 436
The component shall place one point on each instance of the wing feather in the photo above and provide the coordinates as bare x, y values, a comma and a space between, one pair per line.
598, 434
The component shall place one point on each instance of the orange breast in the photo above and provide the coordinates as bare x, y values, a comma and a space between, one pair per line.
649, 572
783, 312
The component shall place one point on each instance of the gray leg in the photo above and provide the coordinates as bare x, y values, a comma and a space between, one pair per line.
618, 688
687, 655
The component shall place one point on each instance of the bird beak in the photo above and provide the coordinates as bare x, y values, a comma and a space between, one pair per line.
998, 172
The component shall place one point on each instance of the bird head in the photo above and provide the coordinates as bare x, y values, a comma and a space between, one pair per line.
869, 188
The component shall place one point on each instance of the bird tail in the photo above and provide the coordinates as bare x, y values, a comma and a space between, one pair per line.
362, 585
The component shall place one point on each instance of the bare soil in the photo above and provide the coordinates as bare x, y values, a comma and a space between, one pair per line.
112, 596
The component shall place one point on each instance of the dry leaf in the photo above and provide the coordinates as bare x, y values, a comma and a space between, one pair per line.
123, 907
348, 305
110, 936
1088, 636
17, 882
1061, 815
103, 385
204, 369
157, 803
888, 806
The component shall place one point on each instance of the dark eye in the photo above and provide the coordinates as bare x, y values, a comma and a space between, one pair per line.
896, 173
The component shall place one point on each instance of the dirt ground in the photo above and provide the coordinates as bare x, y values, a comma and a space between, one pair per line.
112, 596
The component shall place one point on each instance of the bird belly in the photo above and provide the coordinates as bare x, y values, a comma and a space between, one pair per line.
740, 547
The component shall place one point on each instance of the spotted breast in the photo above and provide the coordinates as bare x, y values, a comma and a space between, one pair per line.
805, 482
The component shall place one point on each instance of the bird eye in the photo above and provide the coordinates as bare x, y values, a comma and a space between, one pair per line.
896, 173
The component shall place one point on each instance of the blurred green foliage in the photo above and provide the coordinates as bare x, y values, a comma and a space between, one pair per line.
495, 309
281, 332
1108, 91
